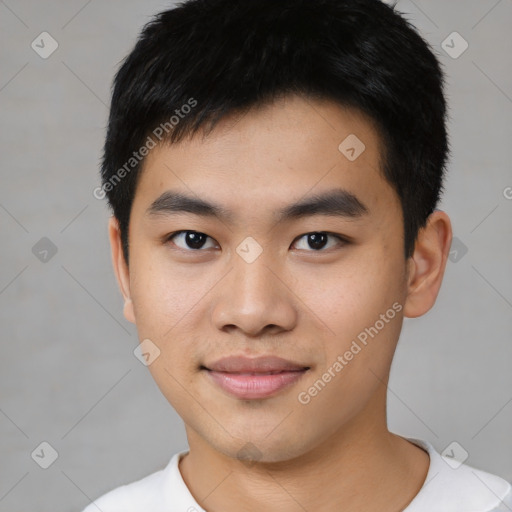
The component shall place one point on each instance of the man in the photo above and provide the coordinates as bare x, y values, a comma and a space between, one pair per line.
273, 169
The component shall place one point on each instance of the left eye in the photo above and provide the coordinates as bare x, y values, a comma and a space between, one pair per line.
319, 240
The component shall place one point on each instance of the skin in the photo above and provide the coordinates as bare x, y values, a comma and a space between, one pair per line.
294, 302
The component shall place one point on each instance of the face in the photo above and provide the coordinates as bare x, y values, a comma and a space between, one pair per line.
276, 325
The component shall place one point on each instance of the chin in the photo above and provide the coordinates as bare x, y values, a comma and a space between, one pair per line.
258, 448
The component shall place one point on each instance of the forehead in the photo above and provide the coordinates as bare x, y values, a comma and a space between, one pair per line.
269, 156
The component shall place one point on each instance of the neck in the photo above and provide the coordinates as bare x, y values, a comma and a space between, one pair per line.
362, 466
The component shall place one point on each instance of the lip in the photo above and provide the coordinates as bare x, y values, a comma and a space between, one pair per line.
254, 378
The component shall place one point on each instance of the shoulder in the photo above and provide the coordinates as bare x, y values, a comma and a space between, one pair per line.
147, 493
457, 487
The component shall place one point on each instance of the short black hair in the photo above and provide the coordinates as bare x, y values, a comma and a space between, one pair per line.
204, 59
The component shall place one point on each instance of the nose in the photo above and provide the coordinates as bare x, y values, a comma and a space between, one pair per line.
255, 299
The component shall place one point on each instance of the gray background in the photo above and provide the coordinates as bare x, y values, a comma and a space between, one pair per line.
68, 375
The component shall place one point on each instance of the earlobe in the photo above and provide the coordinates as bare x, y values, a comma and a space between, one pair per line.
128, 311
120, 268
427, 264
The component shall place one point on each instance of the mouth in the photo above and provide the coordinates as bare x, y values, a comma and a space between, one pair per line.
254, 378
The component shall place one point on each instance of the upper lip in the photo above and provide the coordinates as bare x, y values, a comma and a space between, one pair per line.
263, 364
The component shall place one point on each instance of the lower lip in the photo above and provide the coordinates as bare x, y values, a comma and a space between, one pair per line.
251, 387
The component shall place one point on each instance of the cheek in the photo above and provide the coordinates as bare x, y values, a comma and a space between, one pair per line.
164, 294
175, 385
350, 296
361, 305
353, 370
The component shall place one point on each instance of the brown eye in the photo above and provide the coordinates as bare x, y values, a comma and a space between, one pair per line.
318, 240
189, 240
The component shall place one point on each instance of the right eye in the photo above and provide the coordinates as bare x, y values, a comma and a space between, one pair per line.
189, 240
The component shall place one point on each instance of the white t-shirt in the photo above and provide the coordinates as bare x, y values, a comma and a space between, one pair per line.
447, 488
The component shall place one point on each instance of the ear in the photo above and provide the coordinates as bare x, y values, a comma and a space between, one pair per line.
427, 264
120, 267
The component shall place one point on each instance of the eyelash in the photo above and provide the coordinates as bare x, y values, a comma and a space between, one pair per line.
342, 241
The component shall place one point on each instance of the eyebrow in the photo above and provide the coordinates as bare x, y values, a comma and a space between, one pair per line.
336, 203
